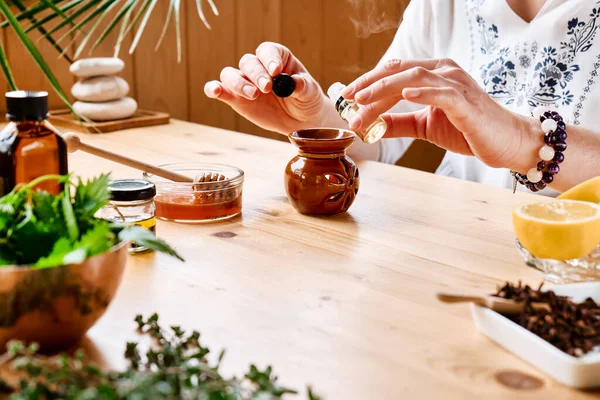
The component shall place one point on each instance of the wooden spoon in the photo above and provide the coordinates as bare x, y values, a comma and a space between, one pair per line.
74, 143
498, 304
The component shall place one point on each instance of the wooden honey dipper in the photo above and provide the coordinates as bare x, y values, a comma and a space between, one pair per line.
74, 143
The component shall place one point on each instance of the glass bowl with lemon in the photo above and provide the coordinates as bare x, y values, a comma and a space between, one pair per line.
562, 237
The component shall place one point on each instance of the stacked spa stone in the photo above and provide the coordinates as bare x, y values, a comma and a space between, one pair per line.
101, 95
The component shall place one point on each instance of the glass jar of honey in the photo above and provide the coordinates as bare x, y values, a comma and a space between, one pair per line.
131, 203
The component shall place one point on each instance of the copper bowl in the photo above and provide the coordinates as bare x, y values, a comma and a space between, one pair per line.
55, 307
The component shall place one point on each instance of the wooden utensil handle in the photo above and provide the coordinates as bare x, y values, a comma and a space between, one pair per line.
447, 297
74, 143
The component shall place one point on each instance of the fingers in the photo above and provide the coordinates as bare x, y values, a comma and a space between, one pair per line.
273, 56
389, 68
215, 90
367, 114
445, 98
408, 125
392, 86
255, 71
235, 82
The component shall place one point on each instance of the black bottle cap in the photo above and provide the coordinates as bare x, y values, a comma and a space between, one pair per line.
131, 190
26, 106
283, 85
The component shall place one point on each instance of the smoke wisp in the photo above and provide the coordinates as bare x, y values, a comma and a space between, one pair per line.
374, 16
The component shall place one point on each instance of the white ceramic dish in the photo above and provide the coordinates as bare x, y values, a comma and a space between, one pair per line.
581, 373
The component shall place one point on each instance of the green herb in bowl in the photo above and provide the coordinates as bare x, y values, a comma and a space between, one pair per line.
42, 230
60, 267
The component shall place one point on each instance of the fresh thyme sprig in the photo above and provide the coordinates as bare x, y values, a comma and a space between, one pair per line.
174, 367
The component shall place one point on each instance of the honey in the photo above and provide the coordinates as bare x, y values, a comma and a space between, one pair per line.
195, 207
215, 193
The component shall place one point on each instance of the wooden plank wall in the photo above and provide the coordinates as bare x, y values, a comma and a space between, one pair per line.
320, 32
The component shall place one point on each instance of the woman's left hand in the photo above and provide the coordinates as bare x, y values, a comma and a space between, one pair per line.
460, 116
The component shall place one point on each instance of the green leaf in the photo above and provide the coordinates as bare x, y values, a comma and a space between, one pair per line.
35, 54
6, 69
123, 30
103, 11
98, 239
19, 4
125, 10
61, 248
165, 26
149, 6
80, 11
91, 196
72, 4
144, 237
69, 214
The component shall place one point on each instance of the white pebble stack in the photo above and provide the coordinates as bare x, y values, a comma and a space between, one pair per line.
101, 95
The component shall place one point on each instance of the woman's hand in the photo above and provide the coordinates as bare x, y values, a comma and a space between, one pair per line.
248, 90
460, 116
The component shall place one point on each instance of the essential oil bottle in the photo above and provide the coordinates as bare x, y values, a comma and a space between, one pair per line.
29, 146
348, 108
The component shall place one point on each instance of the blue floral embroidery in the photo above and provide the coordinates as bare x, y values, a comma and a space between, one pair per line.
552, 73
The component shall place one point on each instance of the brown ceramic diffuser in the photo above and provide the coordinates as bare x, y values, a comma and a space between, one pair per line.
321, 179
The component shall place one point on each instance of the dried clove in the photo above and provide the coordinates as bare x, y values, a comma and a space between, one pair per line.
571, 327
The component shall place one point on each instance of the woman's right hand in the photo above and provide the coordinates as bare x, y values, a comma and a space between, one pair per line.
248, 90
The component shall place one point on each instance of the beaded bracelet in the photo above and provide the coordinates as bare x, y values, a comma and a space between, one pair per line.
551, 153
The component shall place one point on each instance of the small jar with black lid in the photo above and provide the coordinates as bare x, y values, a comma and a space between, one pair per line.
131, 203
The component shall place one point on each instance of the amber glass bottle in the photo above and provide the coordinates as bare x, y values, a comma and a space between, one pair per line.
29, 146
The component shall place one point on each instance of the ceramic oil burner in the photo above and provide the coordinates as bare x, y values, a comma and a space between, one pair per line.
321, 179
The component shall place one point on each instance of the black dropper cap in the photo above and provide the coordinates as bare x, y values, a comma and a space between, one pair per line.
26, 106
283, 85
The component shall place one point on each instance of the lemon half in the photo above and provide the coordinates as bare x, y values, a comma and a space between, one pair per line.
586, 191
560, 230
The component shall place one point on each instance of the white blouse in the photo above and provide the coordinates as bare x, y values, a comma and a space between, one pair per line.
551, 61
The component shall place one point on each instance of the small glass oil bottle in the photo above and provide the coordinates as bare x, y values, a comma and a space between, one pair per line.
348, 108
30, 147
131, 203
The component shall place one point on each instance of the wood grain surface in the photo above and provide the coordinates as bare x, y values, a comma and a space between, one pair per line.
346, 304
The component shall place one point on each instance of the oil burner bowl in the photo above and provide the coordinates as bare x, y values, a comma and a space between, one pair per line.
322, 179
55, 307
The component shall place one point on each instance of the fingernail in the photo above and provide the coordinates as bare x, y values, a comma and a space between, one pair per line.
263, 82
272, 67
347, 91
213, 90
410, 92
354, 122
249, 91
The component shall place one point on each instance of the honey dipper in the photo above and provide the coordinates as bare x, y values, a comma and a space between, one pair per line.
74, 143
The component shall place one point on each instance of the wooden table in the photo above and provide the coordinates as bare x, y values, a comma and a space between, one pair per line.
345, 304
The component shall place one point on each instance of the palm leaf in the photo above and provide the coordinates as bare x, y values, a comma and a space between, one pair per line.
51, 16
41, 29
95, 25
165, 26
35, 54
123, 30
29, 12
80, 11
149, 5
122, 12
6, 69
176, 9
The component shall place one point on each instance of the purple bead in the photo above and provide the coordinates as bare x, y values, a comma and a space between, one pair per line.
540, 185
531, 186
553, 168
560, 146
521, 179
560, 134
541, 165
558, 157
548, 178
556, 116
561, 125
547, 114
554, 138
548, 138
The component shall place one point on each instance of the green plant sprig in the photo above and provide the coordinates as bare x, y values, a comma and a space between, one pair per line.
174, 367
42, 230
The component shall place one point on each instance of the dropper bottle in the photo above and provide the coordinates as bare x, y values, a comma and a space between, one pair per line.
348, 108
